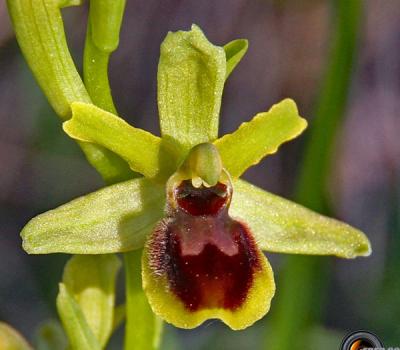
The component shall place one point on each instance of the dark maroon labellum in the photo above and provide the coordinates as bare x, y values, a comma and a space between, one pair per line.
209, 259
203, 200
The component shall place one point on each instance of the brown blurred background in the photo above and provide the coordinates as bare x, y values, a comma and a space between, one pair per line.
289, 49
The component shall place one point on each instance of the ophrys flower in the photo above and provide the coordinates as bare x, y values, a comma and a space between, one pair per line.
204, 227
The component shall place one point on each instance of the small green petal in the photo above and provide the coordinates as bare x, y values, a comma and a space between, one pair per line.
254, 140
234, 51
279, 225
90, 279
191, 76
114, 219
139, 148
74, 322
10, 339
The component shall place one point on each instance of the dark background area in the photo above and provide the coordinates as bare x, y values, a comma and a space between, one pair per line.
289, 50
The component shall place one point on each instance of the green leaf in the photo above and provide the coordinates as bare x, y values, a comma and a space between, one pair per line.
50, 336
191, 76
10, 339
74, 322
262, 136
90, 279
143, 327
234, 51
114, 219
142, 150
280, 225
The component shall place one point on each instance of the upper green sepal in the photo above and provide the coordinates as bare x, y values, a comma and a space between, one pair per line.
260, 137
279, 225
191, 76
114, 219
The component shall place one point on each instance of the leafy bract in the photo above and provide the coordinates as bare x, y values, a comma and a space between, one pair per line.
279, 225
90, 279
114, 219
139, 148
253, 140
74, 322
234, 51
191, 76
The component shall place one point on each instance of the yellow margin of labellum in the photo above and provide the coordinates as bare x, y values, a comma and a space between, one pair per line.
167, 305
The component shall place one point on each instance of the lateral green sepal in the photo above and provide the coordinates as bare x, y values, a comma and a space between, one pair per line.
114, 219
279, 225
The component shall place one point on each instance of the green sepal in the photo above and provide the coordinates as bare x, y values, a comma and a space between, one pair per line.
260, 137
91, 279
191, 76
144, 152
234, 52
279, 225
114, 219
10, 339
74, 322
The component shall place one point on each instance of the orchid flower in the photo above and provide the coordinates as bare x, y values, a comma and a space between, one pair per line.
203, 229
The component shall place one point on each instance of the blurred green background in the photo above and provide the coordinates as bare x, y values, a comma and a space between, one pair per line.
340, 61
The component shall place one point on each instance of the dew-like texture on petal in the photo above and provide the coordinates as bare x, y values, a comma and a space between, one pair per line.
114, 219
260, 137
191, 76
142, 150
200, 264
279, 225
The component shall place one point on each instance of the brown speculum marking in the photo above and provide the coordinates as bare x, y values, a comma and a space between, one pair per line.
209, 259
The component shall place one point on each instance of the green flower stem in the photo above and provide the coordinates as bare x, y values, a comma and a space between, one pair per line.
308, 275
102, 38
40, 33
142, 329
